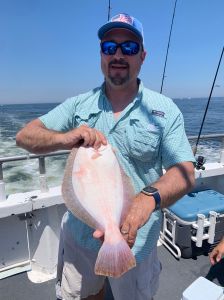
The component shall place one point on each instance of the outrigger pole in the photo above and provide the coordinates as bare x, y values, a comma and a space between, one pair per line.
109, 9
168, 46
209, 98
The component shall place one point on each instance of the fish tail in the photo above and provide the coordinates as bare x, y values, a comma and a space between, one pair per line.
115, 259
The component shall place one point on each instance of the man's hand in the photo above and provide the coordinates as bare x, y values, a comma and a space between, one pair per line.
84, 136
217, 253
140, 211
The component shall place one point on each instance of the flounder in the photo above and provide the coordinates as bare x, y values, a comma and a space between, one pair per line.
98, 192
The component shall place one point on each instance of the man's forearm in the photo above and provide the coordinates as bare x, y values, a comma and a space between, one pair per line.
37, 139
175, 183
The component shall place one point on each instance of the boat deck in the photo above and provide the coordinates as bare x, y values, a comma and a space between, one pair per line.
176, 276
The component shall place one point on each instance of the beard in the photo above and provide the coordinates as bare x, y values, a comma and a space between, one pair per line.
118, 77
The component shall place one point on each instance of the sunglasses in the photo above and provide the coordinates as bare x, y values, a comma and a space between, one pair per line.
127, 48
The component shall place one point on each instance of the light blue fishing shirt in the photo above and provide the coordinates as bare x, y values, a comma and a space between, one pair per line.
148, 135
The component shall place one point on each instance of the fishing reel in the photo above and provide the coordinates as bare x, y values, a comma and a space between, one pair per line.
200, 161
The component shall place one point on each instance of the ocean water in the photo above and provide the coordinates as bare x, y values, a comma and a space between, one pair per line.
23, 176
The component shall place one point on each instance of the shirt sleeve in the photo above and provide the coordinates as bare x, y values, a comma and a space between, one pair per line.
61, 117
175, 145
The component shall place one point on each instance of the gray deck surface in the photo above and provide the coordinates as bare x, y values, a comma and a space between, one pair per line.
176, 276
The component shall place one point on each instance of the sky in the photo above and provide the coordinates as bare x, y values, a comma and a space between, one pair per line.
49, 49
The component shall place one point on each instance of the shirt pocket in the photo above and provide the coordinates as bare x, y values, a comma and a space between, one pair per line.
89, 119
142, 144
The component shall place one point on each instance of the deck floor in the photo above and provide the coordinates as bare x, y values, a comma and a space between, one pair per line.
176, 276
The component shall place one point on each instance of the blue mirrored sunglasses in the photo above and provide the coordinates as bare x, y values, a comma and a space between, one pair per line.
127, 48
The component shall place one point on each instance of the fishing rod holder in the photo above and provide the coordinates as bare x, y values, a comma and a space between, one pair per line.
42, 175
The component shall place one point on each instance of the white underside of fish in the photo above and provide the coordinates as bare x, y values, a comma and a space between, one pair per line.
97, 191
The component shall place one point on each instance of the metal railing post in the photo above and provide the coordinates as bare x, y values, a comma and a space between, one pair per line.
2, 185
222, 151
43, 180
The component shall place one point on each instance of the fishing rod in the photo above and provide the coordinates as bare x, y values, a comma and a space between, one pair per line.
209, 98
168, 46
109, 9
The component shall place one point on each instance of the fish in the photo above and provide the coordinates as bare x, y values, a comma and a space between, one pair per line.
98, 192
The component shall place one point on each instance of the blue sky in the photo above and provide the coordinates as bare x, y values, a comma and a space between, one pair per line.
49, 49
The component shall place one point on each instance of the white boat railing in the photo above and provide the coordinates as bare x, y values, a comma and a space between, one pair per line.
42, 169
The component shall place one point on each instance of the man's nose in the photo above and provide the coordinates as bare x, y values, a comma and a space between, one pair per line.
118, 53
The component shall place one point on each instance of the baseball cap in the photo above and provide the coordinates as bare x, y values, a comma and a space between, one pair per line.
123, 20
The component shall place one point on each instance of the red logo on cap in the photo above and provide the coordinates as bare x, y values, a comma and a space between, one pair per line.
124, 19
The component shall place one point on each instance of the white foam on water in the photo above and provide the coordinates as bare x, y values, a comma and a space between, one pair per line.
210, 152
23, 176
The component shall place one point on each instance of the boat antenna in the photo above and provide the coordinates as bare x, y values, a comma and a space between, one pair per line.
109, 9
168, 46
209, 98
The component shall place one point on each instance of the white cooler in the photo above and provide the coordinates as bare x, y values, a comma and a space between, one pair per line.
203, 289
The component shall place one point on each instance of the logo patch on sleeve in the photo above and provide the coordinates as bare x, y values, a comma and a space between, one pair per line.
158, 113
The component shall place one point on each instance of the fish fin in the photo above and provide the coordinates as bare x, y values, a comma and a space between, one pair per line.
113, 260
69, 195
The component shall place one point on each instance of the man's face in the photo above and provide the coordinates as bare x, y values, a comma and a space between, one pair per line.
120, 69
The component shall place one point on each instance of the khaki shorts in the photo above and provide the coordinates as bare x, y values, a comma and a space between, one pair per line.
77, 280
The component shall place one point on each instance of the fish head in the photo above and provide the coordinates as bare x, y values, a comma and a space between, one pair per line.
91, 153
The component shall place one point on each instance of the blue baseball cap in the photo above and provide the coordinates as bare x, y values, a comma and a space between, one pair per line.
123, 21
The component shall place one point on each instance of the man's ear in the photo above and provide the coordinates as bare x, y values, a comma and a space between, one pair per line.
143, 55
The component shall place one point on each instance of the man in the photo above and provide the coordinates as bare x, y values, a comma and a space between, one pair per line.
147, 131
217, 253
